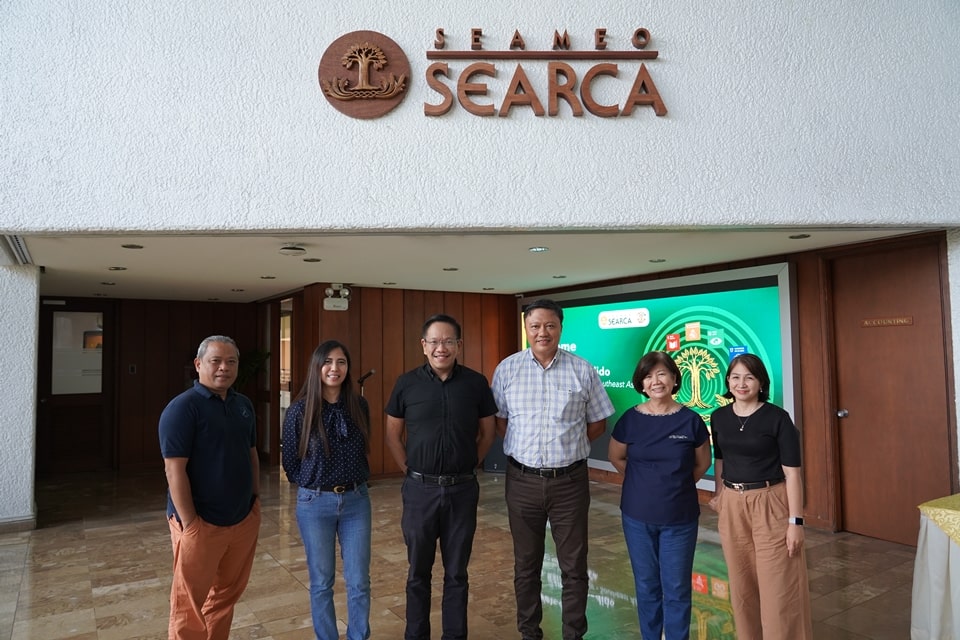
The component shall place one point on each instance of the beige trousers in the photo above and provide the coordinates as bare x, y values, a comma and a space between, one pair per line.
768, 589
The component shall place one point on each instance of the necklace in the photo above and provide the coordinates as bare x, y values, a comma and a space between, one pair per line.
744, 420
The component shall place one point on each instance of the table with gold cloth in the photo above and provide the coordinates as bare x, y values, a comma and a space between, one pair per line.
935, 610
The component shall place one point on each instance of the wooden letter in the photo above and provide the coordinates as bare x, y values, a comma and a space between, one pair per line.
434, 70
561, 42
644, 93
517, 41
475, 35
599, 39
604, 111
521, 93
465, 88
641, 38
558, 89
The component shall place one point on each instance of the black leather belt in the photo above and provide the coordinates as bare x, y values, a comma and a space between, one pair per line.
338, 488
546, 472
443, 481
747, 486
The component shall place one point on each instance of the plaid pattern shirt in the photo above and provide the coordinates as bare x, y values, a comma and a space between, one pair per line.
548, 408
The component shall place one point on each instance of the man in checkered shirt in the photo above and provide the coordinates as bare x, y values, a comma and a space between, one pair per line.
551, 406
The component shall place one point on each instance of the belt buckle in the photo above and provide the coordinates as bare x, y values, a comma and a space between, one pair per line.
548, 473
739, 486
340, 489
446, 481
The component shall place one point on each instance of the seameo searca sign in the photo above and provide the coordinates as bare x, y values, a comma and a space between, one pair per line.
364, 74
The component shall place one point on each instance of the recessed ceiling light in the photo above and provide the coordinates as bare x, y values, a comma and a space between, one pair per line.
538, 249
132, 246
559, 277
488, 288
268, 277
311, 259
388, 284
116, 268
799, 236
292, 250
657, 260
451, 269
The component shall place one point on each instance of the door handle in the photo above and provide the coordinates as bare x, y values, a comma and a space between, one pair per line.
842, 413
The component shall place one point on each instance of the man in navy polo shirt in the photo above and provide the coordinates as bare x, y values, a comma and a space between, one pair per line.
446, 411
208, 441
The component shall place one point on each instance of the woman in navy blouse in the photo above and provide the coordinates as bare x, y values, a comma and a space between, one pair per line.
325, 436
663, 449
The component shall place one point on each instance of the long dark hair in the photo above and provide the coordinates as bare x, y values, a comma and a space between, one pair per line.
312, 394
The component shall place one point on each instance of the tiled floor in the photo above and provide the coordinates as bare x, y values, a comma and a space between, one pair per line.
98, 566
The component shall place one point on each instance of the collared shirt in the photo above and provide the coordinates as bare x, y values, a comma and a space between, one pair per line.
347, 462
216, 435
548, 408
441, 417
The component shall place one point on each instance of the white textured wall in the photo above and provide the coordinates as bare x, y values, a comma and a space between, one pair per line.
200, 114
19, 302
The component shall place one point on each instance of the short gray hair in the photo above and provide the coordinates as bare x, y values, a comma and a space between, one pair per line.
202, 349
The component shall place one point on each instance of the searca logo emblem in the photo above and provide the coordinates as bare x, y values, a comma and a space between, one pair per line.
364, 74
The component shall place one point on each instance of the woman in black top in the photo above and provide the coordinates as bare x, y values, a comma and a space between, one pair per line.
760, 501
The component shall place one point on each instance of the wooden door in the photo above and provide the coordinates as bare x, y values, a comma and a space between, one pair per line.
75, 386
894, 440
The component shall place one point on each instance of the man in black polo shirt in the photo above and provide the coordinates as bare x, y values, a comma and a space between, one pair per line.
447, 413
208, 438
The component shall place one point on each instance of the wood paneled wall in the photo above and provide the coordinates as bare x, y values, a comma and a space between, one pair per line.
157, 341
382, 330
157, 344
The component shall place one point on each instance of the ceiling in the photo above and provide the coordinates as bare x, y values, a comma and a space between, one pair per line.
247, 267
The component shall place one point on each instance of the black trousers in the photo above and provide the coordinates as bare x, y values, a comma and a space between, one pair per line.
447, 514
564, 501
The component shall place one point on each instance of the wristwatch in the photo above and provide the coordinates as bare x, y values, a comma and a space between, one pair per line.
795, 520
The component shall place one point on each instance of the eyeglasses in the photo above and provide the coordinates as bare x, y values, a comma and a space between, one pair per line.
433, 344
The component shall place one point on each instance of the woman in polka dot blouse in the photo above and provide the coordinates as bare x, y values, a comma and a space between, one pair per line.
325, 436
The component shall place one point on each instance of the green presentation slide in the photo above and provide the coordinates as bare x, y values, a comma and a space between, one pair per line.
702, 331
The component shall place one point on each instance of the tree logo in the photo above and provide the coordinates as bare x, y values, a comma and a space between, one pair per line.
699, 364
380, 72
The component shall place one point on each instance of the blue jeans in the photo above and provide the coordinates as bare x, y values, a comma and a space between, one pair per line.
662, 560
322, 518
447, 514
